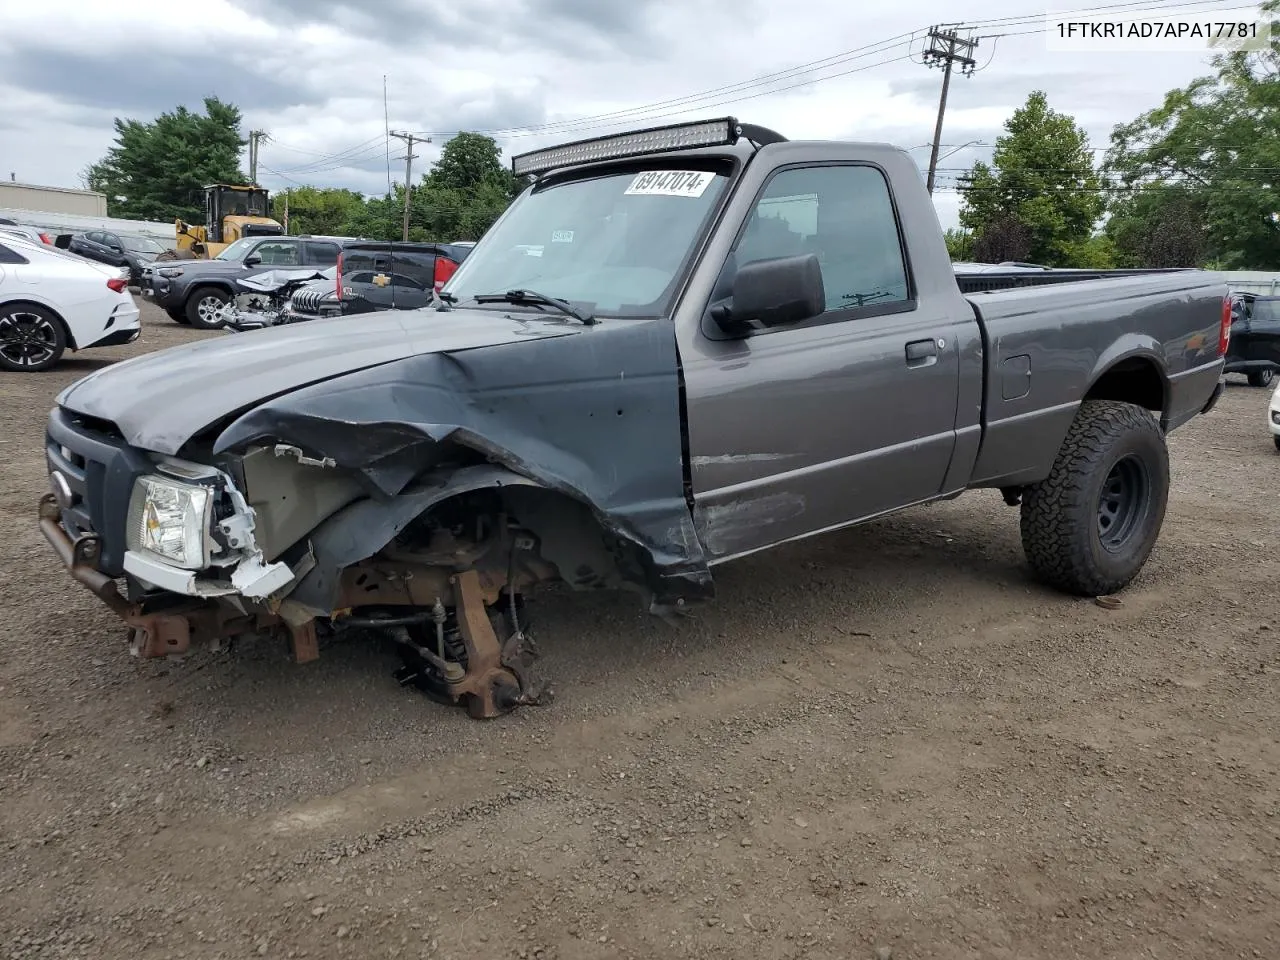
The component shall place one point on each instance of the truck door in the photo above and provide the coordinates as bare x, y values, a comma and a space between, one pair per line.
411, 274
794, 430
367, 275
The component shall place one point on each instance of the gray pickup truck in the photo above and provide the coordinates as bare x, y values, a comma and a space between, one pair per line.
677, 347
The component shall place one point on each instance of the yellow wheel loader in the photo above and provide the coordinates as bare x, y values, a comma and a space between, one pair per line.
231, 212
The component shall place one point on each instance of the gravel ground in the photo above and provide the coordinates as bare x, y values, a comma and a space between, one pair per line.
885, 743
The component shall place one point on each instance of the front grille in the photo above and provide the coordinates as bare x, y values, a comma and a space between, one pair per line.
309, 301
100, 469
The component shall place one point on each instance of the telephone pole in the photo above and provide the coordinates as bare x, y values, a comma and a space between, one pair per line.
254, 137
946, 48
409, 157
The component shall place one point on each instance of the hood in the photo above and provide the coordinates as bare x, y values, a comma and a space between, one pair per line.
203, 267
161, 400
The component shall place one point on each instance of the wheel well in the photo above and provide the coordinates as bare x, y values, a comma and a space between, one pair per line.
1136, 380
205, 285
66, 330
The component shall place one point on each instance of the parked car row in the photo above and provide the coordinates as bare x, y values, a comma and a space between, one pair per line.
375, 275
132, 251
52, 301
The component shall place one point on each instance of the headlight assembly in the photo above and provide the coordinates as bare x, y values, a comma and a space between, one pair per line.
171, 521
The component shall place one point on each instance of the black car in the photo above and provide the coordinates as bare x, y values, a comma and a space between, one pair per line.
118, 249
193, 291
1254, 348
379, 275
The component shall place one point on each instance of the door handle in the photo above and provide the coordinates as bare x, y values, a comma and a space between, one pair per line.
921, 353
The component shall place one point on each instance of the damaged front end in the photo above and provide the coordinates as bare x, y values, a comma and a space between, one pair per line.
421, 499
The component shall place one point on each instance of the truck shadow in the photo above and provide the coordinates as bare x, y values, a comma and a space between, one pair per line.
881, 578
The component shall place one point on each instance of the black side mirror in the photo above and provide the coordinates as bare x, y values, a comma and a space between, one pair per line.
252, 260
774, 293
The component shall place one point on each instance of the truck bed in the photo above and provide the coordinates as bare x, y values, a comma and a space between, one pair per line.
1040, 335
996, 278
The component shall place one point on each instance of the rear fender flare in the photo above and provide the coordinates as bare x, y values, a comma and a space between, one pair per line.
1131, 347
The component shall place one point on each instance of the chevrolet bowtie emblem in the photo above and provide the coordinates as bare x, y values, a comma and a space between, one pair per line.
381, 279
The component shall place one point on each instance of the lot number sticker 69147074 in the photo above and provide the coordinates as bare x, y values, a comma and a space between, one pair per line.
670, 183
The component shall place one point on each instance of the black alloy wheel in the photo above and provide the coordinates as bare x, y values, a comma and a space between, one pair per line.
31, 339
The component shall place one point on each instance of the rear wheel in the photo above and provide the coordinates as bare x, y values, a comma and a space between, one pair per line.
32, 338
204, 306
1261, 378
1089, 527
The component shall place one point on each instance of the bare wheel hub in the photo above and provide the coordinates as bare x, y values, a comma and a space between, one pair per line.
494, 677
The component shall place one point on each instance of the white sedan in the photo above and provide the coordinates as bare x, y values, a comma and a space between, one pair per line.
51, 301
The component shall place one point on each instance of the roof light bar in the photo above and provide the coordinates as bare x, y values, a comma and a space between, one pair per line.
636, 143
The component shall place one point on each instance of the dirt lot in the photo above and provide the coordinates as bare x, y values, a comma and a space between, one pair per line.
885, 743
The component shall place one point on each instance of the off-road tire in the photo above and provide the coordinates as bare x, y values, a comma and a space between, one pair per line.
1063, 515
1261, 378
204, 295
178, 316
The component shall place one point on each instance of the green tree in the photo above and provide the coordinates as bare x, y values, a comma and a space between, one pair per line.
1211, 150
157, 170
470, 161
959, 244
1002, 238
1041, 177
1160, 225
380, 218
324, 210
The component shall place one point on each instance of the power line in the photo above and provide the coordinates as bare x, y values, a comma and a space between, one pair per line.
409, 156
720, 96
255, 137
946, 47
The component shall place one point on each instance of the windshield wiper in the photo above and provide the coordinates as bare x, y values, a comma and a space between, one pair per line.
536, 299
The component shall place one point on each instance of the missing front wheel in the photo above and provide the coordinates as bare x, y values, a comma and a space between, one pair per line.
473, 656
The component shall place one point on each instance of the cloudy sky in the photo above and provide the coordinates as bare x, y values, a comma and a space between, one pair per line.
311, 73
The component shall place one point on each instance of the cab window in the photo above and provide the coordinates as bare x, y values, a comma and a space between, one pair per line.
275, 253
322, 254
845, 216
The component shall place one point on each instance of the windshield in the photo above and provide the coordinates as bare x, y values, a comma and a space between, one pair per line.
611, 244
141, 245
238, 250
243, 203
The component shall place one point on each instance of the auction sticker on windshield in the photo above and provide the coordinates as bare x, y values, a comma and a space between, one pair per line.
671, 183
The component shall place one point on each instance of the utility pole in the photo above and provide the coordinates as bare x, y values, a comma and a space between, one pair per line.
946, 48
286, 212
254, 137
409, 157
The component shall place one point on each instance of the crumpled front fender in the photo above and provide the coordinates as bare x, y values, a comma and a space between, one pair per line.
596, 417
